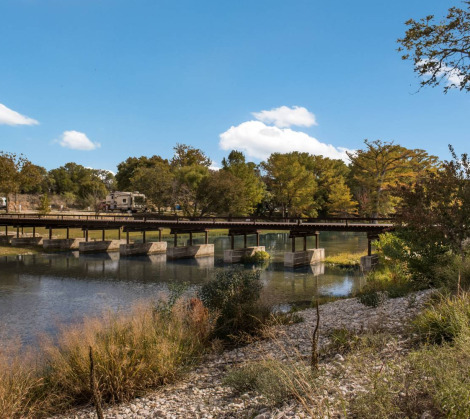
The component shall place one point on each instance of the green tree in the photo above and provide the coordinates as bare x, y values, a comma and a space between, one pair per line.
127, 169
156, 182
340, 201
44, 204
291, 184
188, 194
440, 51
379, 168
186, 155
252, 186
222, 193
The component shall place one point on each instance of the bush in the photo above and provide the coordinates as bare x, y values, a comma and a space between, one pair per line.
445, 320
258, 257
345, 260
235, 296
447, 274
385, 283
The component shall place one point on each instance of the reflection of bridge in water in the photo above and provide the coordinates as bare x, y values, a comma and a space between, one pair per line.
298, 228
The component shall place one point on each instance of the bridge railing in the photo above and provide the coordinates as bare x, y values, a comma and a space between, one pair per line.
205, 219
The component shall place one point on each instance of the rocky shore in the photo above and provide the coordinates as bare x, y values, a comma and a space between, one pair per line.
201, 394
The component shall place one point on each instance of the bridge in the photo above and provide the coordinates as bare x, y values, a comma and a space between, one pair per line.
143, 223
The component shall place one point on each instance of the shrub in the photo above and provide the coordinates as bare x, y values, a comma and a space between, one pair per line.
345, 260
385, 283
445, 320
235, 296
447, 274
258, 257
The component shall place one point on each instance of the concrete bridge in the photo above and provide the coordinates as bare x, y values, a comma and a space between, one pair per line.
298, 228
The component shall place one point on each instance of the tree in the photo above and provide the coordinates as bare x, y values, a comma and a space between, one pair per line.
44, 205
186, 155
127, 169
379, 168
188, 180
252, 186
440, 51
156, 182
340, 200
223, 193
435, 214
292, 186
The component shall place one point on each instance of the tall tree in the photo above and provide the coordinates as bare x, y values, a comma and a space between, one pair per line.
379, 168
252, 186
291, 184
186, 155
440, 51
127, 169
156, 182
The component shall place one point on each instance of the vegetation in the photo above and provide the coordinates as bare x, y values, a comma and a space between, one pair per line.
235, 296
440, 51
345, 260
132, 353
258, 257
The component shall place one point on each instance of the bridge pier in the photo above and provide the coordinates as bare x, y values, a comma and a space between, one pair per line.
370, 261
306, 256
144, 248
100, 246
62, 244
26, 241
191, 250
233, 255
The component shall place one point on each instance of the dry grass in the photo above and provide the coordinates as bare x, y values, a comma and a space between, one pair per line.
13, 251
133, 352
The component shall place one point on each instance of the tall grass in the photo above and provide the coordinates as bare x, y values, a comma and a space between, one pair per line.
132, 352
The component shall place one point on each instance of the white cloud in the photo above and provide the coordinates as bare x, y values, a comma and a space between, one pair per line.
284, 117
259, 140
11, 117
77, 141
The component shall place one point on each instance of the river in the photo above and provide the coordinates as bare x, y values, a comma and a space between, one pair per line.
42, 291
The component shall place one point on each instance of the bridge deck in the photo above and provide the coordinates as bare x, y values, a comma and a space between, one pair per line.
143, 223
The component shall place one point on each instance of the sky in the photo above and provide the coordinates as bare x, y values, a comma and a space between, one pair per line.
97, 81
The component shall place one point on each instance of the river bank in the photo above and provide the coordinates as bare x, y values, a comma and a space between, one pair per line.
202, 393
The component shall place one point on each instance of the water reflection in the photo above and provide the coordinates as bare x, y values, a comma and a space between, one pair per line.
39, 291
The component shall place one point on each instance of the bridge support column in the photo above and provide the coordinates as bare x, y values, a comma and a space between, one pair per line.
26, 241
62, 244
192, 250
100, 246
150, 248
233, 255
370, 261
306, 256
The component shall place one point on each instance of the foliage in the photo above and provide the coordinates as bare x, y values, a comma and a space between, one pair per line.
345, 260
189, 193
440, 51
156, 182
258, 257
381, 167
444, 321
292, 186
235, 296
128, 168
186, 155
253, 188
132, 352
44, 204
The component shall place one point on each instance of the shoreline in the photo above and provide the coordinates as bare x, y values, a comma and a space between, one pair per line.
201, 393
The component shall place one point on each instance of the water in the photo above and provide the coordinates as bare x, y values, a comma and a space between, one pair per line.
40, 292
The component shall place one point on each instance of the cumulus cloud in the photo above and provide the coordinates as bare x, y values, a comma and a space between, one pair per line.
284, 117
452, 75
259, 140
10, 117
77, 141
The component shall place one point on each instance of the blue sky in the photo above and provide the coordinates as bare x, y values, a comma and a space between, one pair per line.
122, 78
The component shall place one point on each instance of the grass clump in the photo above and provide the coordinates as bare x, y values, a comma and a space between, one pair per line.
234, 296
258, 257
345, 260
133, 352
388, 282
447, 319
275, 380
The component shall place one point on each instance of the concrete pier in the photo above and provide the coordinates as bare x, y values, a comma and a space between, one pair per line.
100, 246
194, 251
26, 241
237, 255
304, 257
61, 244
149, 248
369, 262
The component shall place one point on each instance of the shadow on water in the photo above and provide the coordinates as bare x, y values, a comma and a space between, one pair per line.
38, 291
